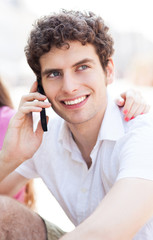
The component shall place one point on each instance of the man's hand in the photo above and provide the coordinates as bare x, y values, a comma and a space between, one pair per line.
133, 104
21, 142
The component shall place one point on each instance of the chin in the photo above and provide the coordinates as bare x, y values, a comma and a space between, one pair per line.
77, 117
77, 120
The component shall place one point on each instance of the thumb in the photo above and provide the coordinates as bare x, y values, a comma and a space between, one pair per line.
39, 131
120, 101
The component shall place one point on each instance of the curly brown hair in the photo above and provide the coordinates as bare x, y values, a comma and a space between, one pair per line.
60, 28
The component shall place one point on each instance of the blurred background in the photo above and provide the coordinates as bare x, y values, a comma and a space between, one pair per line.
130, 24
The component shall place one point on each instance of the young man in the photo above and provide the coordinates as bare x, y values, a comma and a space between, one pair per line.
98, 166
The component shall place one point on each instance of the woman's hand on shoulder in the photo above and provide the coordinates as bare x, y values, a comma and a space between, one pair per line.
133, 104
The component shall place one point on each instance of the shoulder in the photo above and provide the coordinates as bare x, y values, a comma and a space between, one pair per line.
138, 133
137, 141
135, 149
140, 123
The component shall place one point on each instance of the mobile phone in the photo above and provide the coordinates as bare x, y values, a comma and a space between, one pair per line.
43, 112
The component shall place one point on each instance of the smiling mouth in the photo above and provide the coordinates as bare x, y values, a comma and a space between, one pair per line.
76, 101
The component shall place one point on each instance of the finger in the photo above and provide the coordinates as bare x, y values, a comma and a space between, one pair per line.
120, 101
123, 95
34, 87
140, 110
135, 110
39, 131
132, 103
37, 103
35, 106
146, 109
127, 106
32, 97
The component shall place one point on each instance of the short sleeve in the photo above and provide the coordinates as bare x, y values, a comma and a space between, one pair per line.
27, 169
136, 154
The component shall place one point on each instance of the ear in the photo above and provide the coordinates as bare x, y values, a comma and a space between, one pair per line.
110, 71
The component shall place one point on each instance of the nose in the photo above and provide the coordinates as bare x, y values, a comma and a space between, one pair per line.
69, 84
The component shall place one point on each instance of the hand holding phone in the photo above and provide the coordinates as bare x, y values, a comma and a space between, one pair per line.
43, 112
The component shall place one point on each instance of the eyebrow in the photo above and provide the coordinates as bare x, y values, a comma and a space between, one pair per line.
50, 70
85, 60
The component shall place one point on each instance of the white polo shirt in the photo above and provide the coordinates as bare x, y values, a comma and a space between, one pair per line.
123, 149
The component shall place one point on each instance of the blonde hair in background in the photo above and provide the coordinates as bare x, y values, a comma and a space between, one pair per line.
5, 99
29, 197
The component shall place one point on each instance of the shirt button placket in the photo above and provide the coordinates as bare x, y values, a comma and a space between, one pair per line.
83, 199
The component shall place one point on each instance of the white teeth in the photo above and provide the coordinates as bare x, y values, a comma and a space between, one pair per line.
78, 100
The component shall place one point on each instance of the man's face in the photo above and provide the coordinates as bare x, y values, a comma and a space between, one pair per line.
74, 82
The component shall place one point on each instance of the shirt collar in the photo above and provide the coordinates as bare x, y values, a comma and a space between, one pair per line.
65, 135
112, 127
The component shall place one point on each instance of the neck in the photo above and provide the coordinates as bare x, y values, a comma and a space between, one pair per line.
85, 135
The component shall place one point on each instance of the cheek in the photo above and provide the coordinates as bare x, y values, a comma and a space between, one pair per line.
88, 80
97, 82
50, 91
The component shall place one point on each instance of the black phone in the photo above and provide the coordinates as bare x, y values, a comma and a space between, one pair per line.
43, 112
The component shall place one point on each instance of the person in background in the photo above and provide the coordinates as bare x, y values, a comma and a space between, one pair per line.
26, 194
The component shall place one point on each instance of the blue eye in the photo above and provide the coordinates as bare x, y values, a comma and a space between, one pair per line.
54, 74
83, 67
